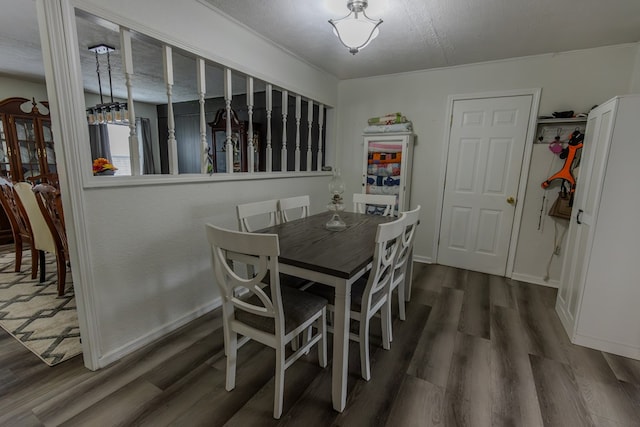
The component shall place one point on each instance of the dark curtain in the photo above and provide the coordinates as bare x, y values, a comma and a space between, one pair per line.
144, 135
99, 141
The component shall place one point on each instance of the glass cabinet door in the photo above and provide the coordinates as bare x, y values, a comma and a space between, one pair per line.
49, 155
5, 165
28, 147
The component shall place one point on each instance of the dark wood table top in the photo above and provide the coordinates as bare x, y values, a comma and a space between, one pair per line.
306, 243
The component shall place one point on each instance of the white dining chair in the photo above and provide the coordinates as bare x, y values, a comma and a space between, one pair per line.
264, 213
402, 268
369, 294
299, 205
386, 202
267, 313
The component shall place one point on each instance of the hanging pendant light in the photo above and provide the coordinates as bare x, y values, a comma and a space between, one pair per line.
110, 112
356, 30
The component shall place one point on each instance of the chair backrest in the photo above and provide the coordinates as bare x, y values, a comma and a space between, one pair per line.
250, 210
43, 239
406, 242
15, 211
259, 250
293, 203
385, 203
50, 204
387, 243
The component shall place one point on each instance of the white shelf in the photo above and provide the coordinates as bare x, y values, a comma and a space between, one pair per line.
567, 120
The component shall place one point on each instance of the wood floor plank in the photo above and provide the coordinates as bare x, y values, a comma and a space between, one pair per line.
369, 403
501, 292
590, 363
514, 398
217, 406
102, 383
127, 400
561, 403
625, 369
259, 409
539, 329
432, 358
418, 404
466, 400
474, 316
607, 400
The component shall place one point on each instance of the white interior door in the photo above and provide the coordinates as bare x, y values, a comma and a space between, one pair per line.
486, 146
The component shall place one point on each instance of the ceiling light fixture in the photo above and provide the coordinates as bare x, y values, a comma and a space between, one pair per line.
111, 112
356, 30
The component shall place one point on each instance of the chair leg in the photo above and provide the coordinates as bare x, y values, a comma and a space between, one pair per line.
34, 262
322, 345
61, 266
408, 277
18, 245
365, 368
43, 272
232, 357
279, 379
401, 299
385, 324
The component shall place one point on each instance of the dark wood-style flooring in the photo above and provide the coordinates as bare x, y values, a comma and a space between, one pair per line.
475, 350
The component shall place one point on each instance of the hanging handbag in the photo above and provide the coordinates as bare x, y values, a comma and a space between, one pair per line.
561, 208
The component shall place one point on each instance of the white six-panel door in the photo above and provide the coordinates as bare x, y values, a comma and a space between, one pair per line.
484, 161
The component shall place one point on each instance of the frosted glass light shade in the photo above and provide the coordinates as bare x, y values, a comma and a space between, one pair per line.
355, 30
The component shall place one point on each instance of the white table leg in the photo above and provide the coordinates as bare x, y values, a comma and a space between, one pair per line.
341, 346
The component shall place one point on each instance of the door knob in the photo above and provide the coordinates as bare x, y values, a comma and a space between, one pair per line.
511, 200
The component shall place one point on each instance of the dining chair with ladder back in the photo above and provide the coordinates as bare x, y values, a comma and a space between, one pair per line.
20, 227
402, 267
267, 313
44, 211
256, 215
264, 213
379, 204
369, 294
294, 208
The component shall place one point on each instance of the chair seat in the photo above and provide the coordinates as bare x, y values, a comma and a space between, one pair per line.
357, 291
298, 307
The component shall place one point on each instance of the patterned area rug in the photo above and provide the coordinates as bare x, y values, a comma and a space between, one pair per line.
34, 314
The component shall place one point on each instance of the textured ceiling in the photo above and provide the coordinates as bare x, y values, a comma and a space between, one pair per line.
415, 35
423, 34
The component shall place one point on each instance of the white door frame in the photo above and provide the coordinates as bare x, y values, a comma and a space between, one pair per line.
524, 173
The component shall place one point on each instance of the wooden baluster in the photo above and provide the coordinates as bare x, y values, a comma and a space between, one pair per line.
250, 148
298, 114
204, 147
285, 108
171, 127
228, 94
320, 124
309, 124
134, 151
269, 102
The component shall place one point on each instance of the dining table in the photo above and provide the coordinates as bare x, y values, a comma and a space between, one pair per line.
336, 258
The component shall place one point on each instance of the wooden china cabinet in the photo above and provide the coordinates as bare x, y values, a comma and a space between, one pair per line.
26, 147
239, 139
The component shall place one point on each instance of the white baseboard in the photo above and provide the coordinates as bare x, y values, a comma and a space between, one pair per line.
422, 259
535, 280
620, 349
117, 354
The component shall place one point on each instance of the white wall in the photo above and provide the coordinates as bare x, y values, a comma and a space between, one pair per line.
573, 80
139, 246
11, 87
634, 87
